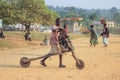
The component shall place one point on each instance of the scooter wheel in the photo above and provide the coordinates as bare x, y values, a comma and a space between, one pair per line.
80, 64
24, 62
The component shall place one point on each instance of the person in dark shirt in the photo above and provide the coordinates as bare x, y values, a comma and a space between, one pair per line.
2, 35
27, 36
105, 35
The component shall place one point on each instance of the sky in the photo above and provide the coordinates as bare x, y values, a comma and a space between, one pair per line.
85, 4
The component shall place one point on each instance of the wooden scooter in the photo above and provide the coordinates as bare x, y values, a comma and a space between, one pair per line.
64, 42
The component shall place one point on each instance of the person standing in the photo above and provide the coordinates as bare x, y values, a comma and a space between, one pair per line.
54, 45
66, 40
2, 34
94, 36
105, 35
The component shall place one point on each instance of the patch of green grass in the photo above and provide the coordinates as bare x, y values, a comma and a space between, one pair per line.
14, 34
7, 44
34, 35
38, 36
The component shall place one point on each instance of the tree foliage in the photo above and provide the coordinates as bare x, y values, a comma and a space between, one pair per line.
88, 15
26, 12
6, 12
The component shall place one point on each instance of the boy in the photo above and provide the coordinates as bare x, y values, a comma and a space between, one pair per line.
54, 45
105, 35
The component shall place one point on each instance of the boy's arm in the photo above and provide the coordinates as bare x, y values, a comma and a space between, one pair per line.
57, 37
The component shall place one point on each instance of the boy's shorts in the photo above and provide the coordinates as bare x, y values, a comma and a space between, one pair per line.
55, 50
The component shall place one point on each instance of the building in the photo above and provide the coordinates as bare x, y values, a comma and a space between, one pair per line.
109, 23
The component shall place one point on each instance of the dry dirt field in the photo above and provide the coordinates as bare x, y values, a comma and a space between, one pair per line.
100, 63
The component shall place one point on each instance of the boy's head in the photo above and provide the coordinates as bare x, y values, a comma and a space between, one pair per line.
104, 25
65, 26
91, 26
57, 22
54, 29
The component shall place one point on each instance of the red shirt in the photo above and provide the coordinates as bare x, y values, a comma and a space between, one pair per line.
66, 31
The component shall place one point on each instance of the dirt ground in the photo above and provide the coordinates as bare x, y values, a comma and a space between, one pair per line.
100, 63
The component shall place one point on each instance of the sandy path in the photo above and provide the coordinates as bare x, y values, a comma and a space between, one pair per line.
100, 63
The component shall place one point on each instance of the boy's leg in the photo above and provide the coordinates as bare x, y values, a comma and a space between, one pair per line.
95, 42
106, 41
42, 62
54, 51
91, 41
60, 61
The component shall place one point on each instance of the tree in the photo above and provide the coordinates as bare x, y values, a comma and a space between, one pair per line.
26, 12
6, 12
117, 18
93, 16
33, 11
113, 12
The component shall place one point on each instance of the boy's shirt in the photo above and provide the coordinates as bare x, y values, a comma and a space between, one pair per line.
54, 35
105, 32
53, 38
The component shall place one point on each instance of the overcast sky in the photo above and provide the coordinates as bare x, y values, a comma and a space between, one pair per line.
86, 4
